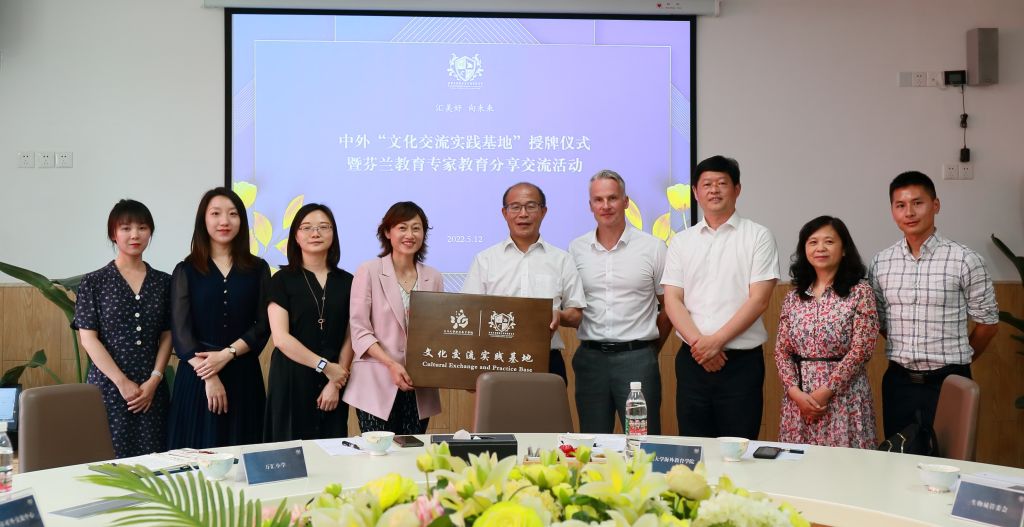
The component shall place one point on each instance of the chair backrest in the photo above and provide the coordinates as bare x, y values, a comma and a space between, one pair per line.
956, 418
62, 425
521, 402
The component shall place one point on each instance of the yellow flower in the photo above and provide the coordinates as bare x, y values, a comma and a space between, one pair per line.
508, 514
545, 477
391, 489
687, 483
425, 463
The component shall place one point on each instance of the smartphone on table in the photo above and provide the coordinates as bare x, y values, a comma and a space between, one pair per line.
766, 452
408, 441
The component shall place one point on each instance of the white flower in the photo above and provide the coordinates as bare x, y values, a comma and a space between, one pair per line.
733, 509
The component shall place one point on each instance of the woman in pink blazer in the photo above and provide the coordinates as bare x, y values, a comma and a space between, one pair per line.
379, 388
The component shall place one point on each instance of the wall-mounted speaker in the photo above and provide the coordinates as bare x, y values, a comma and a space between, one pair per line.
982, 56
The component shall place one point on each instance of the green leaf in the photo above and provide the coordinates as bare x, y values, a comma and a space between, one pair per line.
186, 500
1012, 320
1017, 260
44, 285
12, 376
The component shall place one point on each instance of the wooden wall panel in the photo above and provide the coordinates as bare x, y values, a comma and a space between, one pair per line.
29, 322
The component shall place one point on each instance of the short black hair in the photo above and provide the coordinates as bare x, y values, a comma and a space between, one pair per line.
723, 164
912, 178
851, 267
543, 199
128, 211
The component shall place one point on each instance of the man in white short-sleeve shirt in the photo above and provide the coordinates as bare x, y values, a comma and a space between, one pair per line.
718, 279
622, 330
525, 265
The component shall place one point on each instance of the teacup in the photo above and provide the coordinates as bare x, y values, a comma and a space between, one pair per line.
378, 443
216, 466
733, 448
577, 440
938, 478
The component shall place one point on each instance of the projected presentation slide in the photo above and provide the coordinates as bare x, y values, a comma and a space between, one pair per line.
359, 112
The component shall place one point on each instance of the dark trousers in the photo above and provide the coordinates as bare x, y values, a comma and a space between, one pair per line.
556, 365
905, 393
723, 403
602, 387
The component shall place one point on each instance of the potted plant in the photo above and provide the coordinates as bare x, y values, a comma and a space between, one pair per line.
1006, 316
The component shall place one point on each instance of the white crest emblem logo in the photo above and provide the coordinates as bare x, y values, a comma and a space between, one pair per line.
465, 68
459, 320
502, 322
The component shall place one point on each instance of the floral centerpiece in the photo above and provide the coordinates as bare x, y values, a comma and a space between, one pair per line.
553, 491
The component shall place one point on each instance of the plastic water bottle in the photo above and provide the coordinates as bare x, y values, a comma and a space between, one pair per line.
636, 419
6, 463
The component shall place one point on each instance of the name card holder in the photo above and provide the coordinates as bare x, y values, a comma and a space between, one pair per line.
989, 502
21, 511
274, 465
668, 455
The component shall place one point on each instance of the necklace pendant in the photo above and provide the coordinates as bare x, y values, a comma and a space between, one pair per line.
321, 322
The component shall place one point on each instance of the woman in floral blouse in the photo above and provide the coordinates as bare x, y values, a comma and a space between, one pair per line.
827, 331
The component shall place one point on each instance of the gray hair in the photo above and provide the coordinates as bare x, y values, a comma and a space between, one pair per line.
610, 174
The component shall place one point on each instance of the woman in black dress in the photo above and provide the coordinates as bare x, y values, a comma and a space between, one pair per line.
121, 315
308, 314
219, 327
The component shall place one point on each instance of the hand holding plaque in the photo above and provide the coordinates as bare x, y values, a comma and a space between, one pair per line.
453, 337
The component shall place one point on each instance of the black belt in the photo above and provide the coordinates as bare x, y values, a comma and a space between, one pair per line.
615, 347
800, 360
931, 376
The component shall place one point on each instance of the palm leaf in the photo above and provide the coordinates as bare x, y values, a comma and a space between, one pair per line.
181, 500
1012, 320
12, 376
45, 286
1017, 260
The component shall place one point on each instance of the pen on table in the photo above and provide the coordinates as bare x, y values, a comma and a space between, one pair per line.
350, 445
793, 451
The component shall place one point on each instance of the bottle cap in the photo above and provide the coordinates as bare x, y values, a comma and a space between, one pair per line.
635, 385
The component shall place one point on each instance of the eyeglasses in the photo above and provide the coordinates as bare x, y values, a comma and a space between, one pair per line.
309, 229
529, 206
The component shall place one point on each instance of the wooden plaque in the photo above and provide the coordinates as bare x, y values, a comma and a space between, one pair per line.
453, 337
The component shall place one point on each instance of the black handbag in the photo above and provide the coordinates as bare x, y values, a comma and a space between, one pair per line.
917, 438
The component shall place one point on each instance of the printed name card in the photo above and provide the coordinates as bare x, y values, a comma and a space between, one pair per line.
989, 501
274, 465
20, 512
667, 456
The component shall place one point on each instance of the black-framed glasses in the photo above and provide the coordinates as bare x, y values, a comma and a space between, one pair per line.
529, 206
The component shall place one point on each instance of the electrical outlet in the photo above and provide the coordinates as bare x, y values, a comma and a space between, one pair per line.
26, 159
65, 159
919, 79
966, 171
44, 159
950, 171
934, 78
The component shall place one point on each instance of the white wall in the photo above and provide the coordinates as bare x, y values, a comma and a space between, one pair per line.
802, 92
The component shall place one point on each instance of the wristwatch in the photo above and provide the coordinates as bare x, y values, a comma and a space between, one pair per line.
321, 365
233, 352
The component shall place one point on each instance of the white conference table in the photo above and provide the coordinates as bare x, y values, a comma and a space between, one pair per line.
834, 486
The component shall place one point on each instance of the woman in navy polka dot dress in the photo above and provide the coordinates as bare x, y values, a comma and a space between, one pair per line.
123, 319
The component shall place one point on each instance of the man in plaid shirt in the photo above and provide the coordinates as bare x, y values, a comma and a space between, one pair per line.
926, 288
